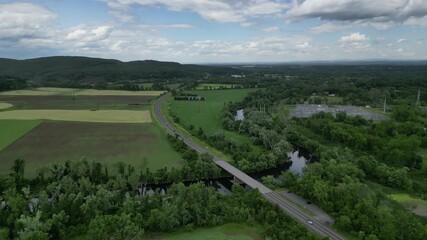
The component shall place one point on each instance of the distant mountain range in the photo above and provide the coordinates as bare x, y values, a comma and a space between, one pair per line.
98, 70
77, 70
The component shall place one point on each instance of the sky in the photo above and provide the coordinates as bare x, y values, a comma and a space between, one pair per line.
215, 31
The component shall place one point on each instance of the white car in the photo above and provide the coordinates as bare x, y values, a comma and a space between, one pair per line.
309, 221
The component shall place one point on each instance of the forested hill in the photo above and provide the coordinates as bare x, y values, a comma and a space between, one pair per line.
54, 69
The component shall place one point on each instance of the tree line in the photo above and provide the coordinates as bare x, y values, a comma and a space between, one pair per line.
8, 83
80, 200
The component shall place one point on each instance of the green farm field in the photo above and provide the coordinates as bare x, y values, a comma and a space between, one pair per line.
11, 130
225, 232
207, 114
137, 144
38, 92
78, 92
5, 105
213, 86
95, 92
101, 116
77, 102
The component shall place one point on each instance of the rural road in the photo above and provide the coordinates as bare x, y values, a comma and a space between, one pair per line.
275, 198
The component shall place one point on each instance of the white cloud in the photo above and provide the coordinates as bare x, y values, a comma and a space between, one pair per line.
327, 28
24, 20
271, 29
415, 21
404, 53
86, 34
354, 42
303, 46
214, 10
247, 24
376, 11
354, 37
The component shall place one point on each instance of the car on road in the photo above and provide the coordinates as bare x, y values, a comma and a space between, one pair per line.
309, 221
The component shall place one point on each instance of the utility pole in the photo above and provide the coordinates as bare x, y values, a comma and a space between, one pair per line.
418, 102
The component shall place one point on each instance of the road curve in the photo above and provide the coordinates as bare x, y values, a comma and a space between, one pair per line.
273, 197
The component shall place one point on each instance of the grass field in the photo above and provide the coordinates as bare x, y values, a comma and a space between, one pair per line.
106, 143
78, 92
209, 86
416, 205
225, 232
79, 102
102, 116
286, 109
145, 85
173, 85
94, 92
39, 92
11, 130
207, 114
5, 105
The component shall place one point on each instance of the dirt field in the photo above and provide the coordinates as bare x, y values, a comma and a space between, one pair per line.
78, 102
106, 143
101, 116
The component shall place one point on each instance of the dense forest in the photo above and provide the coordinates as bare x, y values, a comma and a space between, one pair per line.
8, 83
82, 200
354, 154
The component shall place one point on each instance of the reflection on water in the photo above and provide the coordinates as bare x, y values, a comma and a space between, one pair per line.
222, 185
298, 159
240, 116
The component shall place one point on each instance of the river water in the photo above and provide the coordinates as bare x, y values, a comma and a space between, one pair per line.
299, 158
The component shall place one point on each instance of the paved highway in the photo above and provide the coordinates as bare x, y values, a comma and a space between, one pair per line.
273, 197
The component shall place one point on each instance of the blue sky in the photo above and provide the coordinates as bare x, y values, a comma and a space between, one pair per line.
215, 31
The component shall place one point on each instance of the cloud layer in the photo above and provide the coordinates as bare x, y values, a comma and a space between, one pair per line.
344, 29
213, 10
23, 20
397, 11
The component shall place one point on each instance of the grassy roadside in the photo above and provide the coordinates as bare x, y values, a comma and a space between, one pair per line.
280, 190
